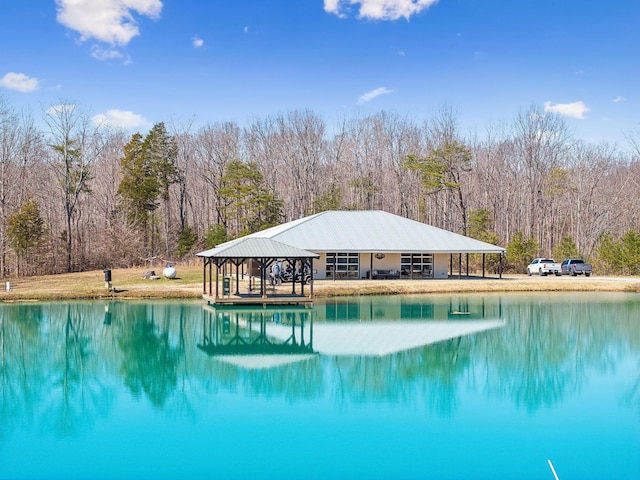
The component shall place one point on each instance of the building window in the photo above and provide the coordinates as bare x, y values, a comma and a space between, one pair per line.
342, 265
416, 265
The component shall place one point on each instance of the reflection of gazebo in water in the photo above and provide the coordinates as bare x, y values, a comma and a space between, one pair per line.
257, 255
242, 331
262, 337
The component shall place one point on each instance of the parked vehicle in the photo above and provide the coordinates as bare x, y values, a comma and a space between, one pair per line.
543, 267
575, 266
288, 275
281, 274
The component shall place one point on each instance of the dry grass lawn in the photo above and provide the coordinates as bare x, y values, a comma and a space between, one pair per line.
129, 284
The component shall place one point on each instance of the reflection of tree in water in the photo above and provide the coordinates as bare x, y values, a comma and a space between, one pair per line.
149, 362
292, 381
530, 358
427, 374
21, 380
632, 333
546, 348
181, 402
442, 365
633, 396
78, 391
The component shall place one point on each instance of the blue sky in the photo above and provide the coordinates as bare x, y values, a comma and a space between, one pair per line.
138, 62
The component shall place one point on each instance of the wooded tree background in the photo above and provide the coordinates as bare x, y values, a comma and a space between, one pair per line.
79, 196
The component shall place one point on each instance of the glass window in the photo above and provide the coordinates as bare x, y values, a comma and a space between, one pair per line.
416, 265
342, 265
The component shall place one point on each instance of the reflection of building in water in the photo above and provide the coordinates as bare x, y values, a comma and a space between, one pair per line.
244, 331
350, 327
404, 307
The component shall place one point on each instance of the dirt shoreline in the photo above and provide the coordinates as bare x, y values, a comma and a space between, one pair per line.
129, 284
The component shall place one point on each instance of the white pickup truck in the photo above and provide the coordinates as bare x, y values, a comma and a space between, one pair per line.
544, 266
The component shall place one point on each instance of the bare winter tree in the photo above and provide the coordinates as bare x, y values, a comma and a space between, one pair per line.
590, 183
387, 140
491, 182
12, 146
540, 142
184, 163
526, 177
215, 146
290, 151
444, 167
76, 144
109, 236
302, 146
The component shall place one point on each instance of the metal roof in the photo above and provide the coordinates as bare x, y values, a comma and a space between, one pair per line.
252, 247
370, 231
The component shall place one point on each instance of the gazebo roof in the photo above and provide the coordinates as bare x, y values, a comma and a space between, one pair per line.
252, 247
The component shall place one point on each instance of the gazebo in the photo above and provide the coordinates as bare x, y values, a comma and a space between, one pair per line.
258, 254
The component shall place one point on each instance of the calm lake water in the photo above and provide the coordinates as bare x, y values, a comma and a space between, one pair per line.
396, 387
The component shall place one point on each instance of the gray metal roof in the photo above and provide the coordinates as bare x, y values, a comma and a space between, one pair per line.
256, 247
371, 231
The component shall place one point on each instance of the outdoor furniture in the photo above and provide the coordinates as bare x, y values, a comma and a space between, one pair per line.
417, 273
384, 274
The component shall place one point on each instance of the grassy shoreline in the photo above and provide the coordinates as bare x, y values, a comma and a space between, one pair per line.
129, 284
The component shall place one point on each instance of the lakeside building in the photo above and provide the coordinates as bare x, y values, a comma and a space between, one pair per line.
374, 244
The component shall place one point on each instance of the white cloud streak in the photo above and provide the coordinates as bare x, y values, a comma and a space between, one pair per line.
619, 99
19, 81
120, 119
378, 9
373, 94
575, 109
198, 42
105, 54
109, 21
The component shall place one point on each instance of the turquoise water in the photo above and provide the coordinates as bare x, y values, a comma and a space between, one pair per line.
442, 387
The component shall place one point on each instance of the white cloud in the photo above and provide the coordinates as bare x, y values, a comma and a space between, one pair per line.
246, 29
120, 119
61, 108
619, 99
19, 81
373, 94
198, 42
575, 109
105, 54
378, 9
333, 6
109, 21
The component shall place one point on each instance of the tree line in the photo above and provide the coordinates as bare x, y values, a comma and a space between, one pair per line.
77, 195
